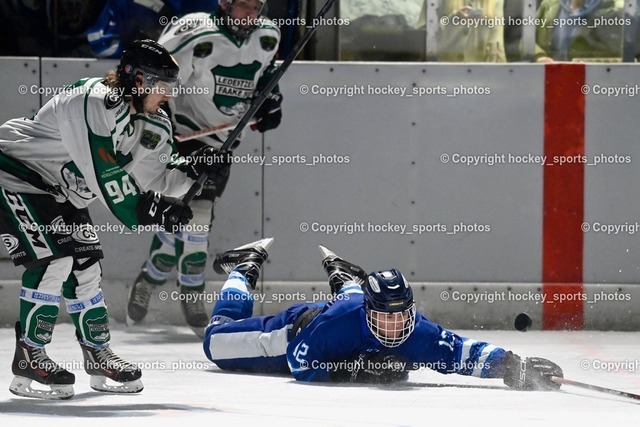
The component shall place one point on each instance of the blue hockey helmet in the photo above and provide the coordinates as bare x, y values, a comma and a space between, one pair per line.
391, 311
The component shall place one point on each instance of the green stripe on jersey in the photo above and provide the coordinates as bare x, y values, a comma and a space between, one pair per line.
118, 188
24, 173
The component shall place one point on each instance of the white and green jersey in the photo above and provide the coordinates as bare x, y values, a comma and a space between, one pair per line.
84, 143
219, 73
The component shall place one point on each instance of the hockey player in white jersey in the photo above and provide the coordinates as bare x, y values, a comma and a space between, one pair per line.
100, 138
225, 58
370, 332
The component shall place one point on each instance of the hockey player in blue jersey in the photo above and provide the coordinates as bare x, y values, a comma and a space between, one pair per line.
370, 332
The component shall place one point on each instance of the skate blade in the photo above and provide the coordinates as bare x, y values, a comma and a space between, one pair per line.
99, 383
264, 244
326, 253
21, 386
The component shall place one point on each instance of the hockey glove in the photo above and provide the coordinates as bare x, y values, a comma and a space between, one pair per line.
371, 368
208, 160
532, 373
167, 212
269, 115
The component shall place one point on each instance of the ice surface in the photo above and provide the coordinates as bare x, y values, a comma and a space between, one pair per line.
181, 385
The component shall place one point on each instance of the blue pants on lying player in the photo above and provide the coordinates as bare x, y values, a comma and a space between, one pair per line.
238, 342
369, 332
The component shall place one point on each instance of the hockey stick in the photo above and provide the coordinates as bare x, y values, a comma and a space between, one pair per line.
559, 380
216, 129
255, 105
209, 131
410, 384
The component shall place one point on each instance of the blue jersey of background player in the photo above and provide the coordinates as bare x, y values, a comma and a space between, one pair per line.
369, 332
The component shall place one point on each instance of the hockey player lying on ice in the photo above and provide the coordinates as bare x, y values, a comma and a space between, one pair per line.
370, 332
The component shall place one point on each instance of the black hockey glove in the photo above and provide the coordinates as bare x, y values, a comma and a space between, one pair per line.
167, 212
532, 373
269, 115
371, 368
211, 161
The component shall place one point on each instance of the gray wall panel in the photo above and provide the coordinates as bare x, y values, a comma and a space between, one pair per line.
611, 190
21, 88
395, 173
59, 72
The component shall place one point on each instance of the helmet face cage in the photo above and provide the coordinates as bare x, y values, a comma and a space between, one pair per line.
241, 28
390, 328
390, 309
155, 84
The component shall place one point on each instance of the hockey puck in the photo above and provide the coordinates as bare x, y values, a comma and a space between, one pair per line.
523, 322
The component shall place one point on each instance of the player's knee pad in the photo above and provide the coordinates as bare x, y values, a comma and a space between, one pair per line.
162, 257
40, 299
192, 253
91, 319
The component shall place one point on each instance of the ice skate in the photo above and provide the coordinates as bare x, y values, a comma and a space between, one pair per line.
32, 363
340, 271
102, 364
246, 259
192, 305
139, 297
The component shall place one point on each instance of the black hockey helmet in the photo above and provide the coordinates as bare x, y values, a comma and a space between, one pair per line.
149, 61
238, 27
391, 311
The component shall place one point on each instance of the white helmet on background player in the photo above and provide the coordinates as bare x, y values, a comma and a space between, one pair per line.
391, 311
243, 25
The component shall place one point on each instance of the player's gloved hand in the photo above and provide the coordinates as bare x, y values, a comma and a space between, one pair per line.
209, 160
531, 373
372, 368
269, 115
167, 212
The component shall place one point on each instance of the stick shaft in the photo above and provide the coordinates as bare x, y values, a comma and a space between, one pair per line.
255, 105
208, 131
566, 381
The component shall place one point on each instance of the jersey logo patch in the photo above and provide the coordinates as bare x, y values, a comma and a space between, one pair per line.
10, 242
150, 139
85, 234
112, 100
234, 86
268, 43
